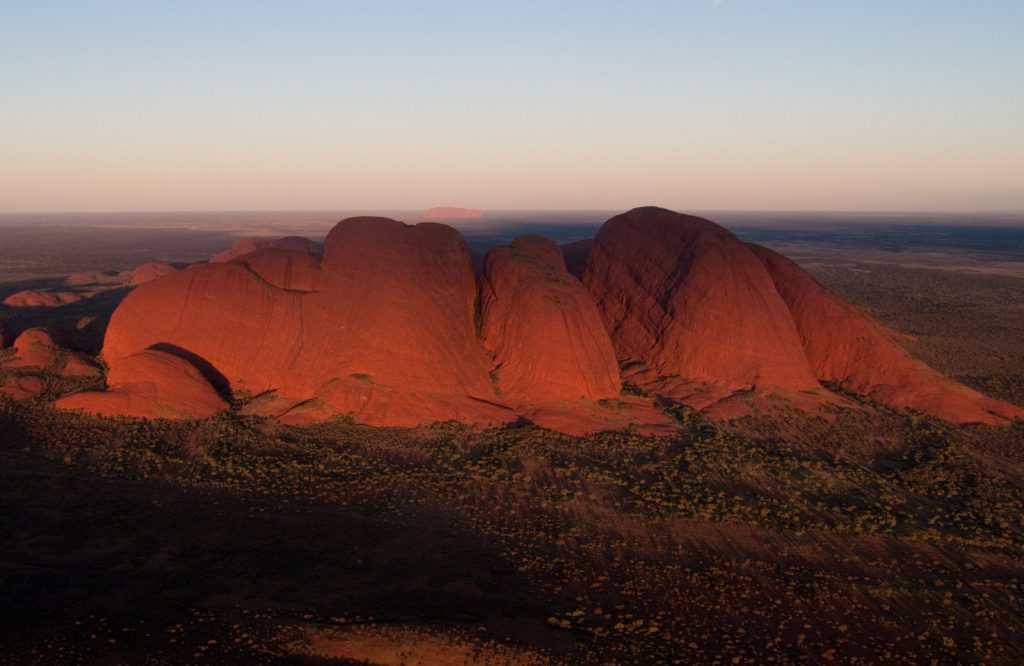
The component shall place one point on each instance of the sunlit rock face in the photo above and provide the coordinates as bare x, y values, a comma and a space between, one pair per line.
392, 327
150, 384
382, 328
34, 348
845, 346
543, 327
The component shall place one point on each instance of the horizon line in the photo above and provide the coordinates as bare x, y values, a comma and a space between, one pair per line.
858, 211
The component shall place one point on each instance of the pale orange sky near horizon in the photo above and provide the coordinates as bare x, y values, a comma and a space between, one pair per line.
110, 106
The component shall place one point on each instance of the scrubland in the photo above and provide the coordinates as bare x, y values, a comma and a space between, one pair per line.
870, 536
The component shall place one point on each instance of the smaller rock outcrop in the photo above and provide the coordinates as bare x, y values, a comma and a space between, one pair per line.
144, 273
131, 277
22, 387
34, 348
150, 384
40, 298
245, 246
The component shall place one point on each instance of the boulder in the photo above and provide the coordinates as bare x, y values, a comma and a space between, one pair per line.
150, 384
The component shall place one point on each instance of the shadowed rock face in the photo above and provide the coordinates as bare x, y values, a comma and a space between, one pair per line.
575, 255
691, 309
543, 328
847, 347
384, 328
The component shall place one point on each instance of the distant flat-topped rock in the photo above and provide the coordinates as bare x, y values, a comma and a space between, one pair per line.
451, 213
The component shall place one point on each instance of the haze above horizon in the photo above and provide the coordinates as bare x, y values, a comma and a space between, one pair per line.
700, 105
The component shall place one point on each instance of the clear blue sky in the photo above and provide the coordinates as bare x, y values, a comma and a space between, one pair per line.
694, 104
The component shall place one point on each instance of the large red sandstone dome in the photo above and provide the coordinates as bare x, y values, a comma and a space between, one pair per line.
692, 311
392, 327
382, 329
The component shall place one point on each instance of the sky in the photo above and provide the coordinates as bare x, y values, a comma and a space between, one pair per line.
893, 105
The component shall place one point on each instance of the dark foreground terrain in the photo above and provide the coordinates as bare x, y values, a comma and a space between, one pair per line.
878, 538
860, 536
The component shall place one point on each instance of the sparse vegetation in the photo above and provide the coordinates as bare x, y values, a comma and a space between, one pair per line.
881, 538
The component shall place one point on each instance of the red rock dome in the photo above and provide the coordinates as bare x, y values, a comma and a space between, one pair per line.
34, 348
284, 269
691, 310
543, 327
150, 384
384, 330
554, 362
